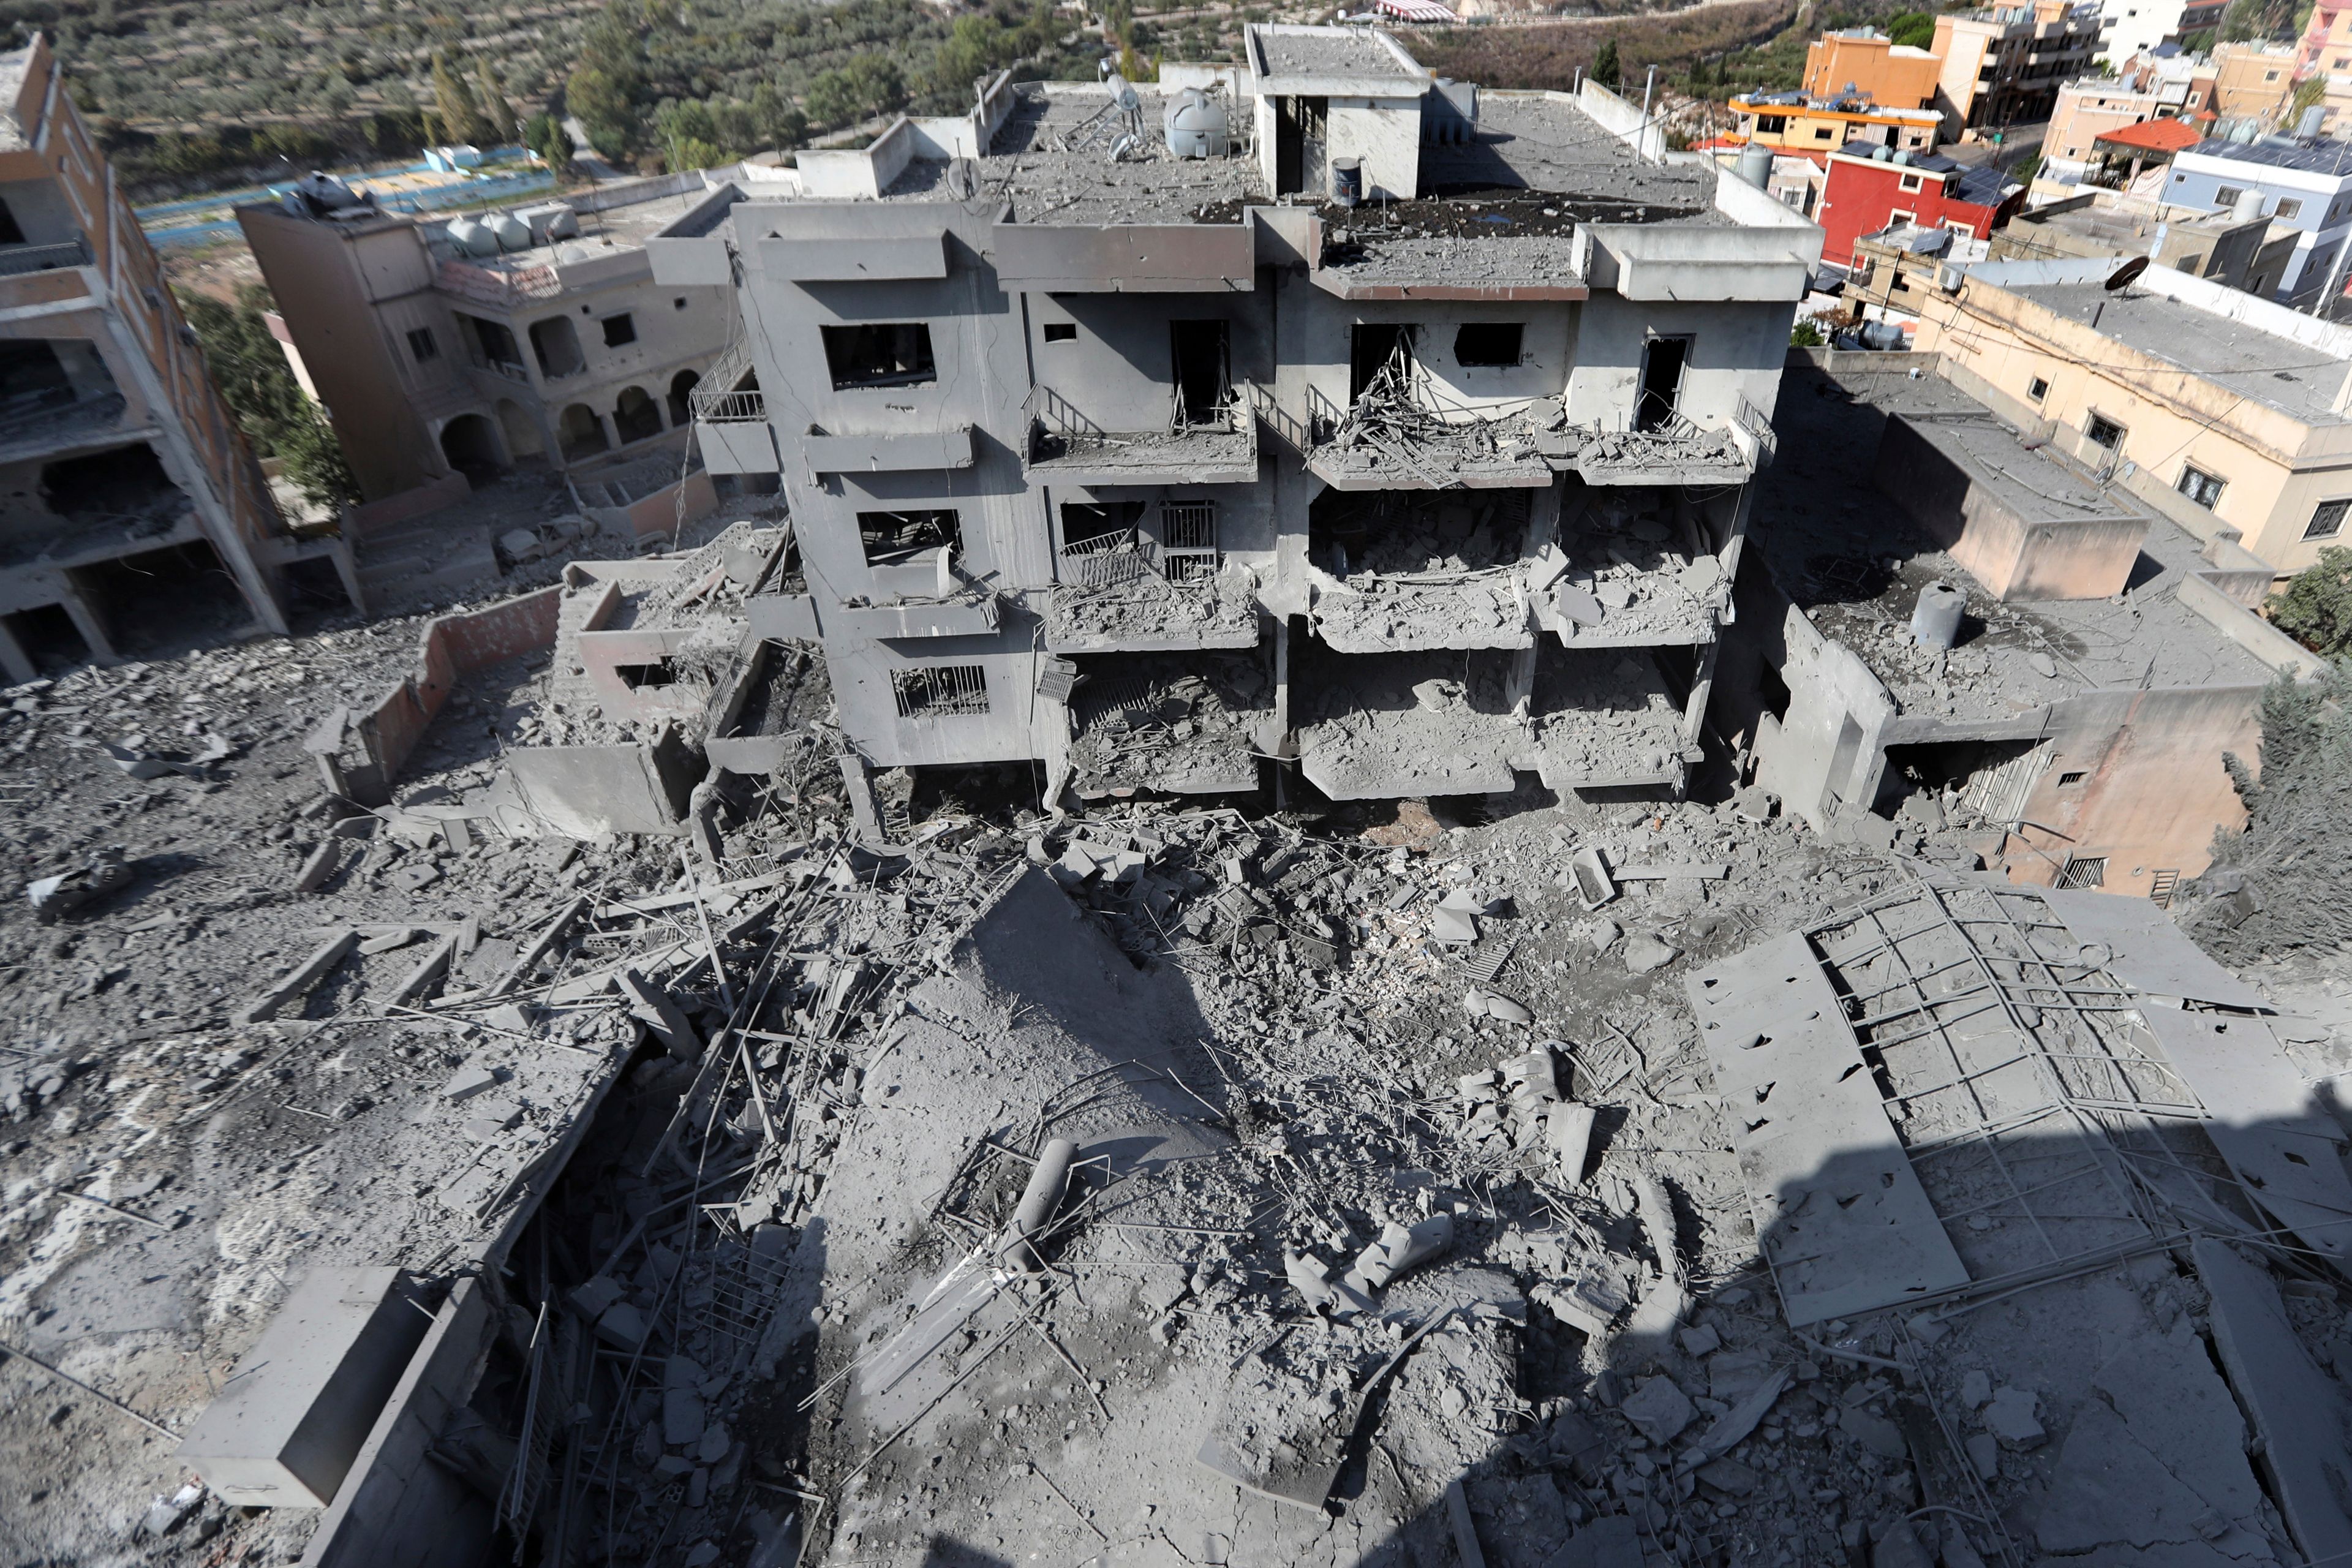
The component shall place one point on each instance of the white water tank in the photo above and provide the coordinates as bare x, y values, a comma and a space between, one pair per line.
2247, 207
509, 231
1756, 164
1935, 618
1197, 127
471, 239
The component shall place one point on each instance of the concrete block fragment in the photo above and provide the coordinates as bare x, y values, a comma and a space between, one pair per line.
1875, 1433
1976, 1388
1452, 927
415, 878
682, 1417
1645, 953
651, 1005
622, 1326
300, 979
1568, 1127
1984, 1453
289, 1422
1728, 1477
390, 941
597, 1297
428, 974
2009, 1417
1701, 1340
467, 1081
1658, 1409
319, 867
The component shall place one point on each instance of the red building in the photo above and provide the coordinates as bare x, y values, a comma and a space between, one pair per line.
1869, 195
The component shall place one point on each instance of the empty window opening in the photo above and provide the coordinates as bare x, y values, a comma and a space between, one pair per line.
49, 637
9, 233
678, 303
127, 483
558, 347
1488, 345
2105, 432
1842, 759
897, 538
1198, 353
1372, 347
1301, 140
620, 331
2072, 779
579, 433
1772, 692
421, 345
164, 602
32, 378
637, 677
1662, 359
1061, 332
493, 345
2037, 389
2083, 872
1188, 541
931, 690
2200, 486
471, 448
2327, 520
879, 353
636, 416
681, 392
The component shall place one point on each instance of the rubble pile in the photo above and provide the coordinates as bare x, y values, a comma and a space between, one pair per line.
1124, 608
1169, 723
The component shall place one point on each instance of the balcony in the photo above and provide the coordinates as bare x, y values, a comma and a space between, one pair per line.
1211, 445
1401, 433
730, 418
18, 259
1396, 571
1378, 726
1121, 591
1676, 450
1182, 724
1609, 718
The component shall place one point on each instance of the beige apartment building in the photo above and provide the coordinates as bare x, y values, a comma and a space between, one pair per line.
2220, 410
466, 346
2252, 81
2003, 66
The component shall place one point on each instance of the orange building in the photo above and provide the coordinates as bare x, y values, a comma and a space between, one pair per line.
1862, 60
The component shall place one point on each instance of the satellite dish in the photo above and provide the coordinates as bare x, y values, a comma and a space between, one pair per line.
2126, 275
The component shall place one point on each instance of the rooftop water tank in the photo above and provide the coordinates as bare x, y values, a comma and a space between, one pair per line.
509, 232
2307, 128
2247, 207
471, 239
1881, 154
1756, 164
1197, 126
551, 221
1935, 618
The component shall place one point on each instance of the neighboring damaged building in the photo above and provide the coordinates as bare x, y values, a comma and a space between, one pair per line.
1864, 194
1116, 441
470, 345
2013, 648
2239, 253
131, 497
2227, 413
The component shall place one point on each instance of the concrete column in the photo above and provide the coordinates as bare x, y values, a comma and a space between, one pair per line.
13, 659
86, 622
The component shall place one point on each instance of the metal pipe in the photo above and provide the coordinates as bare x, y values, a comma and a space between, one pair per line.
1039, 1199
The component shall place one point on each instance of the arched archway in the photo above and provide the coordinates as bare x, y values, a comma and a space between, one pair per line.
579, 433
472, 447
636, 415
522, 432
681, 387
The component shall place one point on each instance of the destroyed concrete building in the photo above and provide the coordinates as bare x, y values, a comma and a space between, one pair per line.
130, 507
1313, 410
443, 346
1971, 631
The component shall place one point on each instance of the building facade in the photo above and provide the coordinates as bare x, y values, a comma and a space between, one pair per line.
2218, 409
2304, 186
1864, 196
1141, 473
131, 496
437, 347
1867, 61
1792, 122
2003, 66
2238, 252
2254, 82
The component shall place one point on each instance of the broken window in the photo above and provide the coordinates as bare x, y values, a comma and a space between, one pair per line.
635, 676
620, 331
1373, 347
1662, 359
1188, 540
1771, 124
1488, 345
879, 353
420, 344
9, 233
493, 344
2105, 432
931, 690
1061, 332
2327, 520
2083, 873
2200, 486
1198, 353
895, 538
636, 416
558, 347
32, 377
127, 483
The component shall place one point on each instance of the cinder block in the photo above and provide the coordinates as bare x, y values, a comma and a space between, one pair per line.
284, 1430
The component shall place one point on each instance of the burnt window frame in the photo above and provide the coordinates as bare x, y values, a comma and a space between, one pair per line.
422, 346
1491, 358
917, 530
850, 343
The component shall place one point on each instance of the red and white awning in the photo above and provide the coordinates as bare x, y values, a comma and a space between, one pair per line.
1415, 10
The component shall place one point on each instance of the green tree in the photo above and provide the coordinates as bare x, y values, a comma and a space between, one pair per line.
2278, 882
1915, 28
461, 122
1605, 68
777, 119
878, 83
497, 113
832, 99
2315, 608
602, 102
2244, 19
1805, 334
259, 388
544, 135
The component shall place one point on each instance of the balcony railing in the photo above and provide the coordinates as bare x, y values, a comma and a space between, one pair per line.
16, 259
722, 398
1222, 435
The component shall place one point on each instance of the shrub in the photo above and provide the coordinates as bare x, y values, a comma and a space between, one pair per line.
2315, 608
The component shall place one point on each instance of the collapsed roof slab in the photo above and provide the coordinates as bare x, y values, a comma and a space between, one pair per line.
1840, 1217
1383, 725
1372, 612
1611, 719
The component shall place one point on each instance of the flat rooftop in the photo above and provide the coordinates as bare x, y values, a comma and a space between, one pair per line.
1351, 52
2322, 156
1845, 554
2261, 366
2110, 225
616, 228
